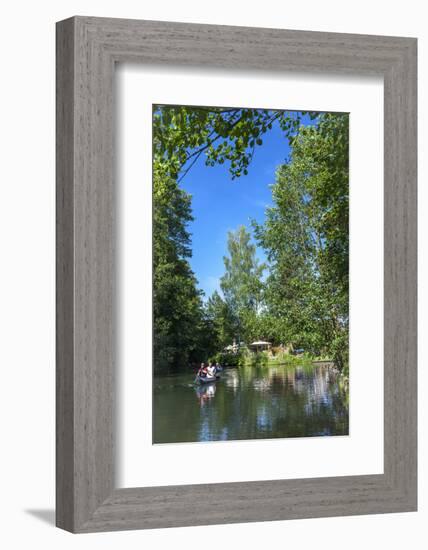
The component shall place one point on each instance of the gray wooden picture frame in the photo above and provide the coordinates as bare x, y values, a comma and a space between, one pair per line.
87, 50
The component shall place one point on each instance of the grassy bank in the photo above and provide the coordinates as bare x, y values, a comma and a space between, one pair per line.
245, 358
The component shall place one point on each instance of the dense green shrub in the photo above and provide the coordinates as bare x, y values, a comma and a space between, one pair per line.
228, 359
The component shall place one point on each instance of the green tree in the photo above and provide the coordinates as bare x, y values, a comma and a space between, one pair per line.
241, 283
222, 323
177, 304
182, 135
305, 236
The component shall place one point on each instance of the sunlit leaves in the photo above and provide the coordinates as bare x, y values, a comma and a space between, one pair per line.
305, 236
183, 135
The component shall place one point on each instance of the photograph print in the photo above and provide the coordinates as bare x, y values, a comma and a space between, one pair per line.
250, 274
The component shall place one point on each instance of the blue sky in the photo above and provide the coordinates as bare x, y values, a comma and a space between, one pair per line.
220, 205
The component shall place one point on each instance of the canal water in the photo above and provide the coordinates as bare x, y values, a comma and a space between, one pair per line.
250, 403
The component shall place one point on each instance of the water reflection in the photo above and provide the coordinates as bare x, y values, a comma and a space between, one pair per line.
251, 403
205, 392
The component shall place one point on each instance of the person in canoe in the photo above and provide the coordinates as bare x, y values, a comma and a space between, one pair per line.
202, 372
211, 370
206, 373
218, 368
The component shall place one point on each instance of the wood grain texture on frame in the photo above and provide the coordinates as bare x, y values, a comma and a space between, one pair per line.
87, 50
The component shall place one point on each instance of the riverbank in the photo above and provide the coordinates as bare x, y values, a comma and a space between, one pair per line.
245, 358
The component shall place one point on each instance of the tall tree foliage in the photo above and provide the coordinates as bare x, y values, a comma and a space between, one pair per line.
305, 236
177, 305
222, 321
182, 135
241, 283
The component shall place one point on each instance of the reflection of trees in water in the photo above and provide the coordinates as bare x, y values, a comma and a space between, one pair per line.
232, 380
251, 403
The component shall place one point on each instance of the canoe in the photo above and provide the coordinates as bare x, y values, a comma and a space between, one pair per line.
206, 379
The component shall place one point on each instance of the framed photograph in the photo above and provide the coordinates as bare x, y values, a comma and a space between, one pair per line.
236, 274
